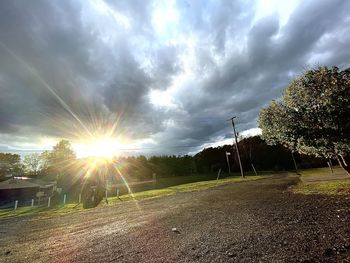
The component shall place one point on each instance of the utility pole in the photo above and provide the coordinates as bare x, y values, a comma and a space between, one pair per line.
237, 149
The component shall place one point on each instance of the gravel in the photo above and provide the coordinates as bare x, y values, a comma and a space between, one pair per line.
256, 221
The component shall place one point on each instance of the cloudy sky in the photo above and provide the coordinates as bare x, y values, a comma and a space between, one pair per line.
154, 76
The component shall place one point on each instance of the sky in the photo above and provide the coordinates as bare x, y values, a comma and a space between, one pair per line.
154, 77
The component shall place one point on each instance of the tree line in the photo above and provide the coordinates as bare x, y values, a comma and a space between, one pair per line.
62, 165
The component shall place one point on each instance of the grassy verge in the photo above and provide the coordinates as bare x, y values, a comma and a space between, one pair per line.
41, 212
321, 171
320, 181
338, 187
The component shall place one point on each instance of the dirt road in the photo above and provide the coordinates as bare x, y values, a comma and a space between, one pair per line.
257, 221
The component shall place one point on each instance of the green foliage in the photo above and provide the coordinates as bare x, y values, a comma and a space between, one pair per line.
59, 158
60, 163
10, 165
165, 166
61, 154
313, 116
253, 150
213, 158
32, 164
140, 168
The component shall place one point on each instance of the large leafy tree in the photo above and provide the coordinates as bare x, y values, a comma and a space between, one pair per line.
62, 152
32, 164
10, 165
313, 116
60, 161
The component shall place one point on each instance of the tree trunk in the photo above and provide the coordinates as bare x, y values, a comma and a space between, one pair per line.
344, 161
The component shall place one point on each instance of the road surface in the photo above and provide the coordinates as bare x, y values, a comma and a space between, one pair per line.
256, 221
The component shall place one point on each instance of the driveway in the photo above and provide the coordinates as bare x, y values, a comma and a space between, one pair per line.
256, 221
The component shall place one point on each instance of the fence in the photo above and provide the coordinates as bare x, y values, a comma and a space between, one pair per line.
110, 191
62, 199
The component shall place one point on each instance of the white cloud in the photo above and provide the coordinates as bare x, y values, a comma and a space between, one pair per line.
284, 9
165, 20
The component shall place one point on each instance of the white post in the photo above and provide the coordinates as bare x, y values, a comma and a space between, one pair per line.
217, 178
117, 192
32, 203
330, 166
49, 201
79, 200
228, 162
106, 195
154, 177
254, 169
64, 199
295, 163
93, 198
16, 204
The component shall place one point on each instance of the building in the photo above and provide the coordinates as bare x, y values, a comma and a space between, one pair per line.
24, 189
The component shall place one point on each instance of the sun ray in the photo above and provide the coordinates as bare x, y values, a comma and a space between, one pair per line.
128, 187
46, 85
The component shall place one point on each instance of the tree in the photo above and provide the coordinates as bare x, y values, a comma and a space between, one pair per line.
10, 165
60, 157
45, 159
313, 116
60, 163
32, 163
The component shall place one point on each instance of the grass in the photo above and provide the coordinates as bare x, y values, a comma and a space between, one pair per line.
338, 187
321, 171
41, 212
326, 187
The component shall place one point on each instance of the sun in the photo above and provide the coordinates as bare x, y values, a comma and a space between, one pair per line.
99, 147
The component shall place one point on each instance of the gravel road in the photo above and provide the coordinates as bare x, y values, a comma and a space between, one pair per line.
256, 221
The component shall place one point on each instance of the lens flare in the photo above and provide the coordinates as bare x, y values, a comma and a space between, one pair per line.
128, 187
99, 147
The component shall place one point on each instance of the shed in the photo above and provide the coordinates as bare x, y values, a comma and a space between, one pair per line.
24, 189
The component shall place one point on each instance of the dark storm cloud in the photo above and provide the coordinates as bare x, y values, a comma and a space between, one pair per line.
96, 81
250, 79
41, 42
68, 66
